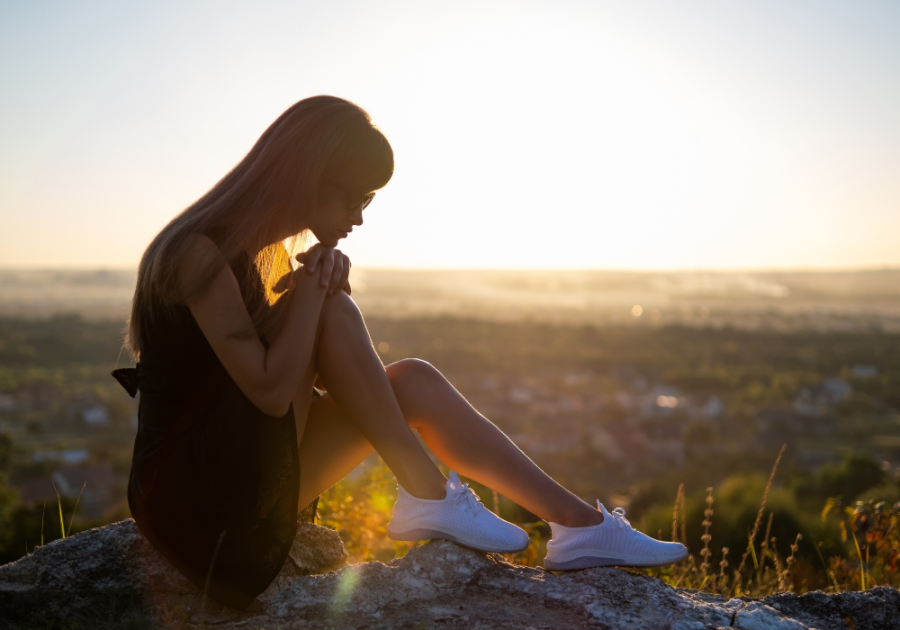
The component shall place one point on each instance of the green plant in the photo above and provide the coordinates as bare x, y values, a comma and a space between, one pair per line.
874, 529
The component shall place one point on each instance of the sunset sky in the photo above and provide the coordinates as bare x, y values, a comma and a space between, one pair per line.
563, 134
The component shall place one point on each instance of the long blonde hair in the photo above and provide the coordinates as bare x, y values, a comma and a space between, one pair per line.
319, 143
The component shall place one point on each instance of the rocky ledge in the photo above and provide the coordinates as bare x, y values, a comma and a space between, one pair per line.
112, 577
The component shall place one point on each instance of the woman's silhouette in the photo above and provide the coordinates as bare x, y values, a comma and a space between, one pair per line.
231, 342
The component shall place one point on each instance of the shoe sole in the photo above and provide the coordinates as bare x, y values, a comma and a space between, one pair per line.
415, 535
587, 562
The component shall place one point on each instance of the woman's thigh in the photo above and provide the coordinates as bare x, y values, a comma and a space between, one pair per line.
330, 448
334, 313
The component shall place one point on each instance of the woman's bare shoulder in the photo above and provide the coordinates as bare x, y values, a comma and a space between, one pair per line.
199, 248
200, 261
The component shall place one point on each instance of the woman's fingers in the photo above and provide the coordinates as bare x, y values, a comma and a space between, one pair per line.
326, 266
332, 265
310, 258
345, 278
339, 272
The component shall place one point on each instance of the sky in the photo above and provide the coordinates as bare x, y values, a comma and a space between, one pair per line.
561, 134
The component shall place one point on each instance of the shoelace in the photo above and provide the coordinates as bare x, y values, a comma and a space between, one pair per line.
466, 498
619, 519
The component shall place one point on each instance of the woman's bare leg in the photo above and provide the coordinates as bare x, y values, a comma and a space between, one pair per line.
330, 449
355, 378
332, 446
470, 443
369, 406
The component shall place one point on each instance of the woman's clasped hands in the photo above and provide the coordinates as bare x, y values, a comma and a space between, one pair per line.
331, 266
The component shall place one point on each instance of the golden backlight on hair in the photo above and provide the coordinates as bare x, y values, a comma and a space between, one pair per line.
265, 205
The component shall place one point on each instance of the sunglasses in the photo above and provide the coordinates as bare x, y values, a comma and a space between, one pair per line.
357, 201
365, 201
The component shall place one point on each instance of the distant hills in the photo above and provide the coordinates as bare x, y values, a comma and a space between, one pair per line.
831, 300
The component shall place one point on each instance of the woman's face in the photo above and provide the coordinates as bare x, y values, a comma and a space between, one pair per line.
336, 217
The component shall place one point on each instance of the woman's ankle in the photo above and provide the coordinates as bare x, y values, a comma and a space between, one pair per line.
426, 489
580, 518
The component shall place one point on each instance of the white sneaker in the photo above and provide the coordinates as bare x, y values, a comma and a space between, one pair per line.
612, 543
459, 517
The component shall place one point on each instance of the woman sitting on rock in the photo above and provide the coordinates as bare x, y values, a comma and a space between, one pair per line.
231, 342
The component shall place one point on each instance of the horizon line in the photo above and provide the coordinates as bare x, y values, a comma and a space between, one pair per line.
773, 269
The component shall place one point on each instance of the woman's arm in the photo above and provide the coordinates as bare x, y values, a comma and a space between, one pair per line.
269, 378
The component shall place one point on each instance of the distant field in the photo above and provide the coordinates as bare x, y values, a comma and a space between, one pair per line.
867, 300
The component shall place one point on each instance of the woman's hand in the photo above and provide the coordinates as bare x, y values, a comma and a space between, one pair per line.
332, 265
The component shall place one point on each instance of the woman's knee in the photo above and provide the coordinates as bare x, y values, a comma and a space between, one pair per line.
414, 380
340, 309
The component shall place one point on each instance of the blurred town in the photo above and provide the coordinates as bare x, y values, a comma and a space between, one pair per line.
620, 393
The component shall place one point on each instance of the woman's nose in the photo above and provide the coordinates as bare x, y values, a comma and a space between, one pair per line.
357, 217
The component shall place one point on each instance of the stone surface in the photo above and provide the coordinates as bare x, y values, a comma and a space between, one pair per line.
114, 568
111, 571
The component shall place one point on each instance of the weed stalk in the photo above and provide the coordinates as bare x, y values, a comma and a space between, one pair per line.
762, 508
62, 525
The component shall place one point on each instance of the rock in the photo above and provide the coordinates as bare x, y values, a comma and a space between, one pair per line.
315, 550
114, 570
437, 585
453, 587
876, 608
460, 588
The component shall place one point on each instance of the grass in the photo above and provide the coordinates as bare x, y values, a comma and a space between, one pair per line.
62, 526
874, 563
359, 510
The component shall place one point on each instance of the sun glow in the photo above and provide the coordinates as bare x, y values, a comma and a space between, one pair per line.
579, 135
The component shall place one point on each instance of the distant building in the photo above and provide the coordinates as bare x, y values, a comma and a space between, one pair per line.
713, 408
776, 426
95, 415
661, 400
864, 371
775, 421
39, 394
816, 401
68, 456
520, 395
839, 389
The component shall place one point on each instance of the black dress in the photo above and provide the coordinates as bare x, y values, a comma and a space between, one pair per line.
214, 481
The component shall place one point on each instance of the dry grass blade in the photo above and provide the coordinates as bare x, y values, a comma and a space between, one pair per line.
62, 525
787, 575
723, 578
69, 531
679, 496
705, 553
765, 543
762, 509
779, 567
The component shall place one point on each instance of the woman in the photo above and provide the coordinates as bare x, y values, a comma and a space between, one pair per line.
231, 342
